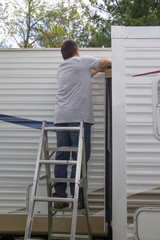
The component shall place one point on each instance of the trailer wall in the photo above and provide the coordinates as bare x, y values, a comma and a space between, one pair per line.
136, 145
28, 88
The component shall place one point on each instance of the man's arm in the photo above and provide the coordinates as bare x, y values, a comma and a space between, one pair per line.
102, 65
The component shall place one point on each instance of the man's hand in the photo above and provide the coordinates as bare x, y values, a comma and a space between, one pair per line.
103, 63
102, 69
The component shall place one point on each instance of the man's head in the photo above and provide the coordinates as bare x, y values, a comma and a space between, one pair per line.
69, 49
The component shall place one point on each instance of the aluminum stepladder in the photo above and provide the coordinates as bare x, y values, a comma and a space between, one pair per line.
44, 158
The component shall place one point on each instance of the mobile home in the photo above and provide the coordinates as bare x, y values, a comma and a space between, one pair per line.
124, 169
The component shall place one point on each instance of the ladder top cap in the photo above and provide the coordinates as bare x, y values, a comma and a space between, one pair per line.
62, 129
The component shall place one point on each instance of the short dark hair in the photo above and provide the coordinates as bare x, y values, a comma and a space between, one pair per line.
68, 49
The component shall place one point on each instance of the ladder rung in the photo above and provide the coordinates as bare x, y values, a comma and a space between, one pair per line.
67, 236
52, 199
69, 210
66, 180
58, 162
55, 129
62, 180
65, 149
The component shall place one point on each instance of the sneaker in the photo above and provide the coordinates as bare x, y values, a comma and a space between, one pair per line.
61, 205
80, 205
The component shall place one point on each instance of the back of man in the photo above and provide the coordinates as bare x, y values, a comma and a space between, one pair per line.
73, 105
74, 97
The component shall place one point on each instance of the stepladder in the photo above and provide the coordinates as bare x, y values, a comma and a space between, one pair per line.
46, 159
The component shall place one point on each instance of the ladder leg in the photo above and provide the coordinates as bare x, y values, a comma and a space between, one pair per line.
31, 208
34, 187
30, 214
48, 182
84, 176
77, 183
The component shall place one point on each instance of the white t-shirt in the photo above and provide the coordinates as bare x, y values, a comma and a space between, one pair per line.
74, 96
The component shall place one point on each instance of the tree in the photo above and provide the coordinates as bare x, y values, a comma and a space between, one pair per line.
100, 30
131, 12
135, 12
2, 18
35, 23
22, 19
66, 21
124, 13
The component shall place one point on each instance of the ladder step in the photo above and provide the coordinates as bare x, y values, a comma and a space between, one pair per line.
67, 236
65, 149
52, 199
66, 180
62, 180
58, 162
69, 210
55, 129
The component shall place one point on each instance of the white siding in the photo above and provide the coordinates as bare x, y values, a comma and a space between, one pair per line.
141, 54
27, 90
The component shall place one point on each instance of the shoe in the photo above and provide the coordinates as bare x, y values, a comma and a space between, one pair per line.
81, 205
61, 205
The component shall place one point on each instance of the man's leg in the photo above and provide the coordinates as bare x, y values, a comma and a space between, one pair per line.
74, 135
87, 137
60, 171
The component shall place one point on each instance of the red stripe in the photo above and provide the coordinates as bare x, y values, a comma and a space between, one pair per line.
148, 73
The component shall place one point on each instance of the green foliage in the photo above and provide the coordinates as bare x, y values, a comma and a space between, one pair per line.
65, 22
134, 13
100, 35
124, 13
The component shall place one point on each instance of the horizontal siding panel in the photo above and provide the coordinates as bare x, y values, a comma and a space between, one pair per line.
130, 80
18, 61
22, 80
27, 72
26, 98
138, 33
139, 117
144, 54
137, 63
141, 107
28, 86
30, 65
133, 43
31, 53
137, 107
141, 70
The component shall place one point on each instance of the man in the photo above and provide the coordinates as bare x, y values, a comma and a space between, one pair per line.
73, 105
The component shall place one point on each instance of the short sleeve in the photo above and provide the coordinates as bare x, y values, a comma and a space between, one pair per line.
93, 62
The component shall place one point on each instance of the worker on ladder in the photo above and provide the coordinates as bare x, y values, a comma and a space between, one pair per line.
73, 105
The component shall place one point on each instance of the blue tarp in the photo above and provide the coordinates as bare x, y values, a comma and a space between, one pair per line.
24, 122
